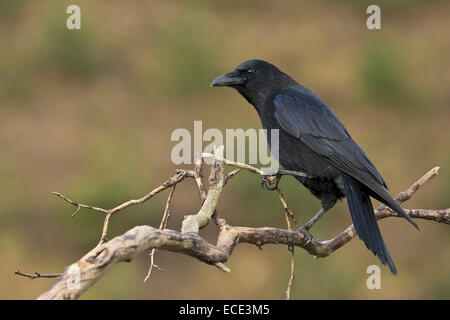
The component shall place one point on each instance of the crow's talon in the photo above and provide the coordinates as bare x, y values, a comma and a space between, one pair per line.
305, 228
270, 181
262, 181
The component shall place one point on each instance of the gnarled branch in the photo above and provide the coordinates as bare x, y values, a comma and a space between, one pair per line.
82, 274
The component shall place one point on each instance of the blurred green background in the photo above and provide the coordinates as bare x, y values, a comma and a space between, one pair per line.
89, 113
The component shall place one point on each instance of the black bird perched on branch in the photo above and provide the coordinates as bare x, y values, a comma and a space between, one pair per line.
314, 141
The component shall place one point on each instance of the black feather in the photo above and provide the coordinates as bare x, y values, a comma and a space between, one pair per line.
364, 221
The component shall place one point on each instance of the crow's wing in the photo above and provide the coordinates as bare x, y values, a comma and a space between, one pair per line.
304, 116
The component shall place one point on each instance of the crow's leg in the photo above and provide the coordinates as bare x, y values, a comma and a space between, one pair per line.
314, 219
270, 182
326, 205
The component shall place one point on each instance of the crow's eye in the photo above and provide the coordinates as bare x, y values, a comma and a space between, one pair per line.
250, 71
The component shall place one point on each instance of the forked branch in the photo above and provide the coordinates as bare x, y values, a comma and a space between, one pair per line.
82, 274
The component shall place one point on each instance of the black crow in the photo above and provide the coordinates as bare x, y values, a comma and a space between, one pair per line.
313, 140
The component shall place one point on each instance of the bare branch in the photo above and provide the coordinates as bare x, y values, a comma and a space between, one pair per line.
95, 263
193, 223
177, 178
124, 247
325, 248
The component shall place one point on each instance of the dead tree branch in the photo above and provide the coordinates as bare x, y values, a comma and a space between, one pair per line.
82, 274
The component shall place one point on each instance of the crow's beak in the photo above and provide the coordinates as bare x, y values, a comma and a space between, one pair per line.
228, 80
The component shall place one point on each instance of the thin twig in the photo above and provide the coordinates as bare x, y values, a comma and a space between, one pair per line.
37, 275
289, 216
233, 173
289, 213
292, 274
163, 225
177, 178
79, 205
251, 168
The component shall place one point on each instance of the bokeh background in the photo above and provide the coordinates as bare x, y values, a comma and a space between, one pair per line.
89, 113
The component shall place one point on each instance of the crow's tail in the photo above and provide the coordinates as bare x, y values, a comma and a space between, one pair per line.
364, 221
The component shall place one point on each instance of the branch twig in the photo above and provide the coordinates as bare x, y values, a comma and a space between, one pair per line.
37, 275
289, 216
163, 225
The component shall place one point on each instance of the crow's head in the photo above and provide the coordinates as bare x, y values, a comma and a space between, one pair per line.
254, 79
